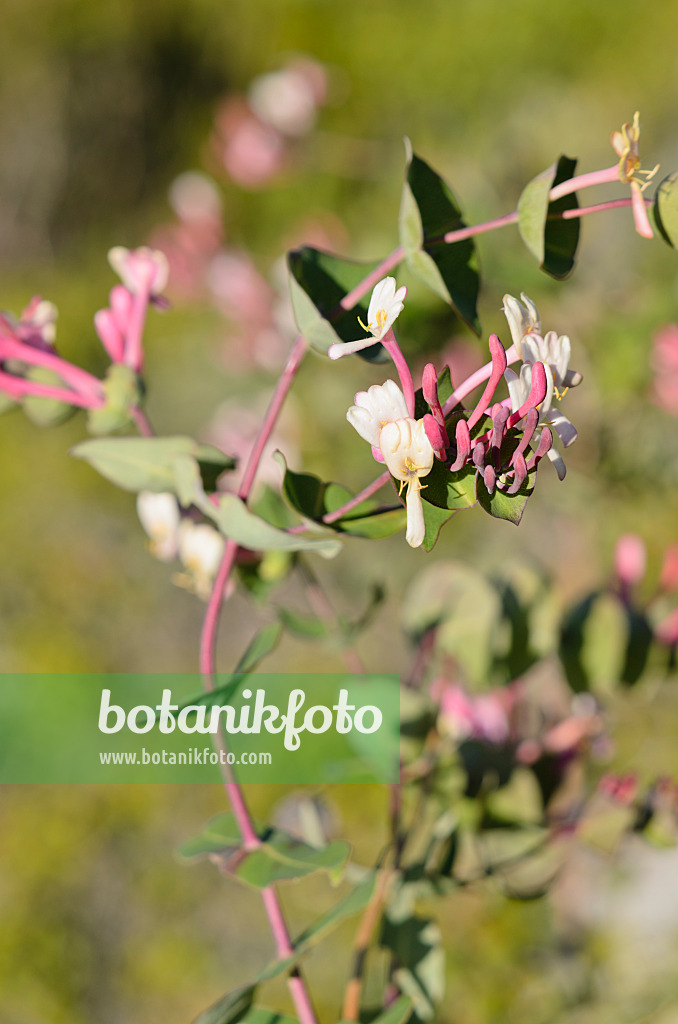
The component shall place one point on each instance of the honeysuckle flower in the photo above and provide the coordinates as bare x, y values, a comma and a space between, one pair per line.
522, 319
385, 306
200, 551
160, 517
519, 390
380, 415
380, 404
625, 145
142, 271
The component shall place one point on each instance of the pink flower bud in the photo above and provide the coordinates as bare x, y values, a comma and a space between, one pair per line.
629, 560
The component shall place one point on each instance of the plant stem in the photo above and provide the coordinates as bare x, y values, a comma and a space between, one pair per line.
367, 492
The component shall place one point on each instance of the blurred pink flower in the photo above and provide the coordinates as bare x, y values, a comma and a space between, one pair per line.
665, 368
630, 560
251, 152
465, 716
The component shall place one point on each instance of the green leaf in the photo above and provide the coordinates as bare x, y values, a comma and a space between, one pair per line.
318, 283
313, 498
420, 958
351, 904
123, 389
666, 209
308, 627
398, 1013
262, 1015
501, 505
234, 520
45, 412
594, 641
444, 494
466, 610
281, 856
263, 643
230, 1009
429, 210
148, 463
551, 239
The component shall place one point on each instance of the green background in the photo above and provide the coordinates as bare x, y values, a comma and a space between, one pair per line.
101, 106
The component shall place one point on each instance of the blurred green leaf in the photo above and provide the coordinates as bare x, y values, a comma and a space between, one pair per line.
230, 1009
235, 521
45, 412
318, 283
666, 209
262, 644
280, 856
420, 961
428, 211
399, 1013
351, 904
146, 463
551, 239
122, 390
602, 643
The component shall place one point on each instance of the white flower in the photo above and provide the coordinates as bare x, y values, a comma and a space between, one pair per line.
285, 100
522, 320
380, 404
200, 551
381, 417
385, 306
519, 389
159, 515
140, 270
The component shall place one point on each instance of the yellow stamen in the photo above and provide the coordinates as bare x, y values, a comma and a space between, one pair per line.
560, 394
365, 327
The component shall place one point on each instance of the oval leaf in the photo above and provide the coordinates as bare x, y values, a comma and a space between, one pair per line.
318, 283
428, 211
551, 239
666, 209
148, 463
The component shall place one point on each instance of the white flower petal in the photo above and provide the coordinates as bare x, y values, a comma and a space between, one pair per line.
562, 426
416, 526
365, 423
557, 460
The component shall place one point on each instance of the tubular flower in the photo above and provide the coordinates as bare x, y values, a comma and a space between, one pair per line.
385, 306
522, 320
140, 270
625, 145
160, 517
380, 416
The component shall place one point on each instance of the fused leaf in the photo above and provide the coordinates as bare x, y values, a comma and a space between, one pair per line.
551, 239
149, 463
428, 211
666, 209
318, 283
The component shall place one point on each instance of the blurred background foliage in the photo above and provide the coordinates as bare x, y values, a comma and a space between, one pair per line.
101, 106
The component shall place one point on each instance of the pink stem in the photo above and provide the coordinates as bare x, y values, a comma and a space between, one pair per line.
142, 422
583, 211
367, 284
269, 896
393, 348
17, 387
284, 384
603, 177
363, 495
83, 382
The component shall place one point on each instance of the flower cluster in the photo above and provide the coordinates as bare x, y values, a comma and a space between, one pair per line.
521, 427
120, 326
198, 546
